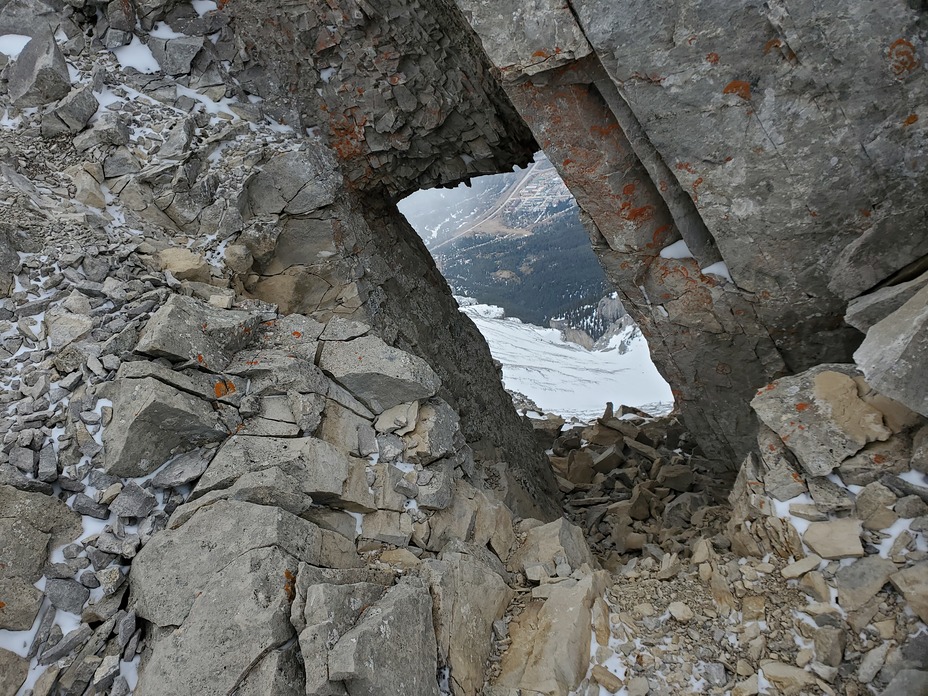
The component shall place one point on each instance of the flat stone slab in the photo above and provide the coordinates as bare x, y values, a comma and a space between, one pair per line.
323, 472
176, 564
835, 539
820, 417
913, 584
859, 582
186, 329
240, 613
152, 421
377, 374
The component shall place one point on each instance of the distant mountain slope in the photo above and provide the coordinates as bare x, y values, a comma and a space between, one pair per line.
515, 241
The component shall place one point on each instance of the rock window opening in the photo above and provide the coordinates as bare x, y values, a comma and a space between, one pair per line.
518, 259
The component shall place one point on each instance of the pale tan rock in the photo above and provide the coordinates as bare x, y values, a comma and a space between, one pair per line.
913, 584
400, 557
835, 539
606, 679
753, 608
801, 567
787, 679
681, 612
748, 687
184, 264
549, 654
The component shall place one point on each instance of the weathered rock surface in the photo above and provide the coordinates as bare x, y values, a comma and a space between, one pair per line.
392, 649
893, 355
40, 74
468, 596
152, 422
184, 329
31, 525
177, 564
380, 376
821, 416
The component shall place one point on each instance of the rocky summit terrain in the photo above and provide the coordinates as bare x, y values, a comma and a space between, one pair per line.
251, 446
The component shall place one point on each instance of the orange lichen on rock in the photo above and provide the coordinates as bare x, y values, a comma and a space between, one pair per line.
224, 387
712, 58
802, 406
290, 585
910, 119
740, 88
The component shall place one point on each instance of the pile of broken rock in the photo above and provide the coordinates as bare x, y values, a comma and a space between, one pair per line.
236, 499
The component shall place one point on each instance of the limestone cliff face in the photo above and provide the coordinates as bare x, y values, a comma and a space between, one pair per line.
781, 138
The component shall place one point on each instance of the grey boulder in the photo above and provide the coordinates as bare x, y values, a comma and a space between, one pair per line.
151, 421
894, 355
40, 75
377, 374
820, 417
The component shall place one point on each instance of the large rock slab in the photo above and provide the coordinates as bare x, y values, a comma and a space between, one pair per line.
859, 582
835, 539
549, 654
913, 584
329, 612
820, 417
392, 650
39, 75
152, 421
14, 670
294, 182
377, 374
894, 355
239, 614
322, 471
31, 524
549, 36
186, 329
552, 544
867, 310
176, 564
468, 596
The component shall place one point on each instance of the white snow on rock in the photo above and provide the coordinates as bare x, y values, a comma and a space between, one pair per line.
718, 269
677, 250
137, 55
13, 44
565, 378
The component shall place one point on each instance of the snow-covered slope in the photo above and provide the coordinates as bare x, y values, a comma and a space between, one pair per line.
564, 378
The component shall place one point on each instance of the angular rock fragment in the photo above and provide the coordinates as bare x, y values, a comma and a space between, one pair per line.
913, 584
894, 355
468, 596
151, 421
835, 539
858, 582
550, 640
186, 329
239, 613
377, 374
324, 473
39, 75
552, 544
392, 650
820, 416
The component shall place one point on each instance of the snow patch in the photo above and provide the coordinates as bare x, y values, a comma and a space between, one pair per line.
13, 44
137, 55
718, 269
565, 378
677, 250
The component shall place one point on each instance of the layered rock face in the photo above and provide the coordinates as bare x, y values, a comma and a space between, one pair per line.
794, 163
